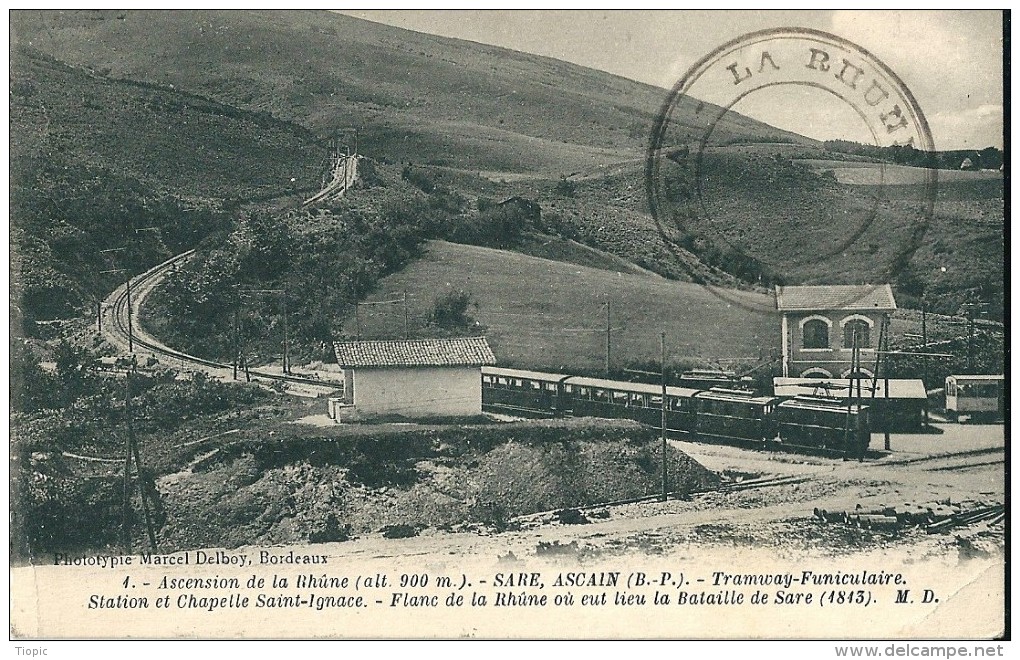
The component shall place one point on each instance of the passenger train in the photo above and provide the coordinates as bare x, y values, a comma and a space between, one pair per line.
709, 415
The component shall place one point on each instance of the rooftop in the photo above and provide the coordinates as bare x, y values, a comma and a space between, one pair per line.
836, 296
462, 352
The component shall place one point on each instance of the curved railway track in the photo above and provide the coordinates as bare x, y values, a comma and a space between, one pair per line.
118, 332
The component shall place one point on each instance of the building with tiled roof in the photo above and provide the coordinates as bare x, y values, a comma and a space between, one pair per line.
832, 297
461, 352
821, 324
411, 378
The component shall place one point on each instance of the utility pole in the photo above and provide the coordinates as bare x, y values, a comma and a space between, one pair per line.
970, 339
286, 329
609, 334
126, 502
131, 339
924, 342
662, 379
848, 431
237, 343
405, 314
131, 332
882, 369
133, 453
662, 369
883, 347
968, 310
286, 335
145, 500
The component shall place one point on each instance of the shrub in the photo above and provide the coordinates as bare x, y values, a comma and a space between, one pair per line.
565, 187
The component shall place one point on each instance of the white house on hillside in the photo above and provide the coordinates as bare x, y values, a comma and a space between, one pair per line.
411, 378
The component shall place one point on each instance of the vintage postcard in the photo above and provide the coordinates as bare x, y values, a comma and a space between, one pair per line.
509, 325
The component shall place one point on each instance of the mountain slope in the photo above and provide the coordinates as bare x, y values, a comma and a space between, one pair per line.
173, 141
93, 159
454, 102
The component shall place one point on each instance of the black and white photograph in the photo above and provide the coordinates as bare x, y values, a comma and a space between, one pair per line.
510, 324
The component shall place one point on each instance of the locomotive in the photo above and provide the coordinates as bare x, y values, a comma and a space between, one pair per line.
706, 415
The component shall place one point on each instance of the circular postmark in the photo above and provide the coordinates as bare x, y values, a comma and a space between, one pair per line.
766, 204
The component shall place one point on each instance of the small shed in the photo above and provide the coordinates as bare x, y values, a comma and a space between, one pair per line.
901, 410
411, 378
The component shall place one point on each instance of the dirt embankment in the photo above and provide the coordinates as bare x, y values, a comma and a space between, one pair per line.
324, 486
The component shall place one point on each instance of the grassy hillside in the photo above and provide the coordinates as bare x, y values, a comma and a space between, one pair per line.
167, 140
93, 159
216, 109
549, 314
413, 96
801, 221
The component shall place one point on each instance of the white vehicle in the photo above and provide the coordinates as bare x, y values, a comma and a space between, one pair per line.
975, 397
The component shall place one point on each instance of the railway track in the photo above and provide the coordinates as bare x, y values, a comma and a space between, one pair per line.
122, 332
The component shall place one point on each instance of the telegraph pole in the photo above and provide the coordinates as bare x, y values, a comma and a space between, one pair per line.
132, 452
286, 335
662, 369
882, 368
286, 330
126, 502
970, 339
924, 342
120, 270
883, 346
131, 331
405, 314
237, 343
145, 501
848, 431
609, 334
662, 379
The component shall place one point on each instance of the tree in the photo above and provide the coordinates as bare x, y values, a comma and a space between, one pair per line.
450, 314
75, 367
32, 388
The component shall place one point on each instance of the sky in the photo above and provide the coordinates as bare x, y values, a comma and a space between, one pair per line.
950, 60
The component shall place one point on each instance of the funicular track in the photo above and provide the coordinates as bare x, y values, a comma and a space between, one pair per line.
118, 331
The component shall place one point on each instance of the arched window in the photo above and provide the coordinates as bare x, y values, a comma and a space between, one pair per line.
863, 330
816, 334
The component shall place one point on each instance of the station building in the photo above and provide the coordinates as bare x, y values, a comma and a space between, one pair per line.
819, 323
416, 378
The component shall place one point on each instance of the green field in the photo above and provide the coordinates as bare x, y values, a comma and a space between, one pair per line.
549, 314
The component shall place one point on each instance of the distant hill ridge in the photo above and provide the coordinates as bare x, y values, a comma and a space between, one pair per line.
328, 71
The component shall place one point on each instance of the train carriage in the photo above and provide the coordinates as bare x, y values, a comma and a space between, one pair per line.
522, 392
976, 397
715, 415
597, 397
734, 415
819, 423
